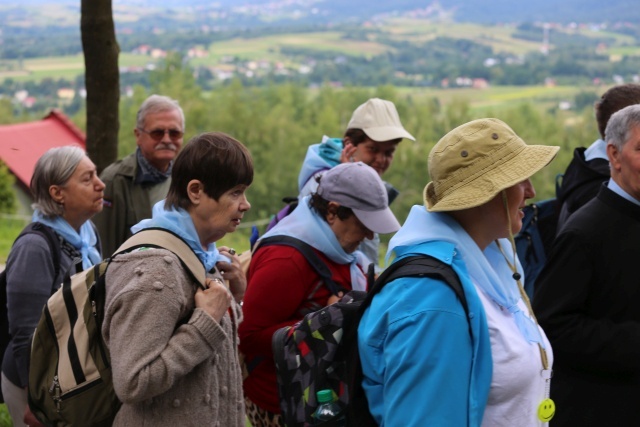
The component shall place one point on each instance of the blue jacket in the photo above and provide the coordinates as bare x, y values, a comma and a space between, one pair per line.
420, 365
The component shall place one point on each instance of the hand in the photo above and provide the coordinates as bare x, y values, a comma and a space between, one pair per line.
233, 273
215, 300
335, 298
348, 153
30, 419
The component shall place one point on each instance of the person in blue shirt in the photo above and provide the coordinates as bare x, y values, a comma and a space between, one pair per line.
424, 361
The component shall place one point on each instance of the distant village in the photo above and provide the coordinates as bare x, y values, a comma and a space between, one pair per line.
229, 67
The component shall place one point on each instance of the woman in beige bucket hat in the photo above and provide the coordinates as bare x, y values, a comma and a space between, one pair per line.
420, 364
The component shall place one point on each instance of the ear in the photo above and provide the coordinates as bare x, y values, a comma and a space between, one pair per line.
614, 156
138, 134
55, 192
195, 189
332, 212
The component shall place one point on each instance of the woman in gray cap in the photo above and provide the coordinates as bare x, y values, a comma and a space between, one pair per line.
425, 362
349, 205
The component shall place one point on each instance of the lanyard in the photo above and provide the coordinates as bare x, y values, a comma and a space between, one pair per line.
543, 353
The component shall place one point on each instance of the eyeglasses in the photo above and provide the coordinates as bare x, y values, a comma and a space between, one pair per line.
158, 134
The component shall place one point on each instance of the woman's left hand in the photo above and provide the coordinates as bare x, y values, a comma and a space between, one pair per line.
232, 272
335, 298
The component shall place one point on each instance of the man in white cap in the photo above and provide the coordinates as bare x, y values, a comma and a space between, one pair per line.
372, 136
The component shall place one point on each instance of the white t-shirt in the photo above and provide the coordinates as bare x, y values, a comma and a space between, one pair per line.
518, 383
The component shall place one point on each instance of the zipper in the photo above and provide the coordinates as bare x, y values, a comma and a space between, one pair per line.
54, 391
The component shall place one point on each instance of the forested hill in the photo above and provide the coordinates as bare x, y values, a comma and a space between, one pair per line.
335, 11
479, 11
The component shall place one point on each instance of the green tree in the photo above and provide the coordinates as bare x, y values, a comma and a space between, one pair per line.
102, 80
8, 201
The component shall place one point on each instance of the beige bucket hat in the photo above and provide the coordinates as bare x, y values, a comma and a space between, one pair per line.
475, 161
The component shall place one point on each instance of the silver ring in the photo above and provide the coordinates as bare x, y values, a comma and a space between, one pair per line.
232, 251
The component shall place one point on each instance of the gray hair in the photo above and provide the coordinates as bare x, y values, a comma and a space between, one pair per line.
55, 167
620, 124
158, 104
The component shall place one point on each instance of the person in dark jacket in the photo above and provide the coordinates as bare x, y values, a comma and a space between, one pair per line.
136, 182
67, 194
586, 296
589, 167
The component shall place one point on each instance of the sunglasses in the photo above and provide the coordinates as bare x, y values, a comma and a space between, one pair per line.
158, 134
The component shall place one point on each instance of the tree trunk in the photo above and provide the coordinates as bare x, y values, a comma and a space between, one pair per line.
102, 80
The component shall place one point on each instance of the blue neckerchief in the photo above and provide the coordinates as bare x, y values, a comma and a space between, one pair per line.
613, 186
320, 157
487, 269
179, 222
85, 242
149, 174
306, 225
597, 150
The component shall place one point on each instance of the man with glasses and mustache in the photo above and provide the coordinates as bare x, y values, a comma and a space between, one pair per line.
135, 183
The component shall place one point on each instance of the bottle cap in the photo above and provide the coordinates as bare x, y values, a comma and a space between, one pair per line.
325, 396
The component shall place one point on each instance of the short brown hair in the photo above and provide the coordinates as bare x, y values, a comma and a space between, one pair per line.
357, 136
217, 160
613, 100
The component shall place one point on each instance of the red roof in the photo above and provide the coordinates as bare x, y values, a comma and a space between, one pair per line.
22, 144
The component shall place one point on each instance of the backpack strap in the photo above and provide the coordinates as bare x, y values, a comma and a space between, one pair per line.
411, 266
419, 266
52, 240
310, 255
165, 239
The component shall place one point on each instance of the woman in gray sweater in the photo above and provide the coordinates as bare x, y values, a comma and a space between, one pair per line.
173, 346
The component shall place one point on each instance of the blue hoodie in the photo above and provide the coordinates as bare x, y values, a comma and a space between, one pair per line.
420, 365
319, 158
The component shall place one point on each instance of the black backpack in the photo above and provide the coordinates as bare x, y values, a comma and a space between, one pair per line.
54, 248
535, 238
321, 351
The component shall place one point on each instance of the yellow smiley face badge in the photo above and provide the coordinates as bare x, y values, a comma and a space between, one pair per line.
546, 410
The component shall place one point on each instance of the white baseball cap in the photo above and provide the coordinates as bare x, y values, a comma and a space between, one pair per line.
379, 120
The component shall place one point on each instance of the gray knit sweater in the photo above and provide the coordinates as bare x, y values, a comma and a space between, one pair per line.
165, 371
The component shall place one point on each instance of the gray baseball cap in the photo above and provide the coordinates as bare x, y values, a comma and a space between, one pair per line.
359, 187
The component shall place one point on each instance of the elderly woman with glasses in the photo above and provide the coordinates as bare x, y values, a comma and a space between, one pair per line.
60, 241
425, 360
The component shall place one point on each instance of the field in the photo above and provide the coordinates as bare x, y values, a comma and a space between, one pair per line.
67, 67
270, 47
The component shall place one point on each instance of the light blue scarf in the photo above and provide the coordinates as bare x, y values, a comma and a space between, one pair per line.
179, 222
320, 157
85, 242
487, 269
306, 225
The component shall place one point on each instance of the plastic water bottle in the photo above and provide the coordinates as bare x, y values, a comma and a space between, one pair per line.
328, 410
